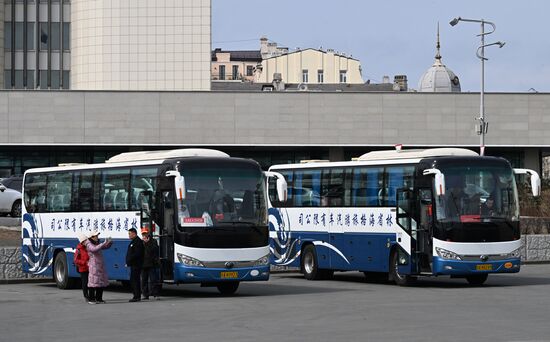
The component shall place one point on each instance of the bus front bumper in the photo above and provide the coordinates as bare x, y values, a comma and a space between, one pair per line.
186, 274
463, 268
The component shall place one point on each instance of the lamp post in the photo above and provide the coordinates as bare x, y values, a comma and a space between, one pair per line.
482, 128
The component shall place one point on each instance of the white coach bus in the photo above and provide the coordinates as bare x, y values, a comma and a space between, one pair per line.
207, 210
408, 213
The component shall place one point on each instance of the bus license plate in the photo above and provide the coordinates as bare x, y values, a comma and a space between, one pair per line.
229, 275
484, 267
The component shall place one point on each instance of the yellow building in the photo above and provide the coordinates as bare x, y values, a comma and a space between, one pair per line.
310, 66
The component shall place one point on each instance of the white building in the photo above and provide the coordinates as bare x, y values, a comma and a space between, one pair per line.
311, 66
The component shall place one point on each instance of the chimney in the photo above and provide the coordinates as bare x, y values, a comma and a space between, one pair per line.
401, 81
264, 51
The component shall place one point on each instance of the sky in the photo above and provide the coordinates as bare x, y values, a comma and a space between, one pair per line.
392, 37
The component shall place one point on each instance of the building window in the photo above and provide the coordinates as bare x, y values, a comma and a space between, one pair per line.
19, 79
66, 79
55, 79
19, 35
320, 76
30, 36
305, 76
343, 76
55, 36
66, 36
235, 72
222, 72
7, 79
43, 79
30, 79
249, 70
44, 36
7, 35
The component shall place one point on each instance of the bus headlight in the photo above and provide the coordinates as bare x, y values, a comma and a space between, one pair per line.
263, 261
188, 261
445, 254
514, 254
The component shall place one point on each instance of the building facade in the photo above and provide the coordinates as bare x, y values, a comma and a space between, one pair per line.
36, 44
105, 45
310, 66
234, 65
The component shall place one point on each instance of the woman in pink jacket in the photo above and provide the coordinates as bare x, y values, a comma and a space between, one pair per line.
97, 277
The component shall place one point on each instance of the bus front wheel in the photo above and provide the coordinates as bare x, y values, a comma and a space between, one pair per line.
228, 288
477, 279
398, 278
310, 266
61, 272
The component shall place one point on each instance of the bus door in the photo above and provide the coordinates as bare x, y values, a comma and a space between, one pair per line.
425, 228
405, 219
166, 223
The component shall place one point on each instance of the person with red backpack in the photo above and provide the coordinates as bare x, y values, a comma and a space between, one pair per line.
80, 260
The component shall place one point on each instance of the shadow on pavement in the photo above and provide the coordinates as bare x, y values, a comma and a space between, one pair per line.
251, 289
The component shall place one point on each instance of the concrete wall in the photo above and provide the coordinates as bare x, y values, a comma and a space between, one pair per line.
327, 119
10, 265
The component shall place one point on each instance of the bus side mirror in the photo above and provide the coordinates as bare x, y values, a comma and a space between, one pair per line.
535, 180
281, 185
179, 184
439, 180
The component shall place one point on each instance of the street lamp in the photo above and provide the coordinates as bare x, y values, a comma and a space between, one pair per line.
480, 53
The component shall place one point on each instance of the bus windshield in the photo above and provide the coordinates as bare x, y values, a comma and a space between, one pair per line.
474, 193
228, 195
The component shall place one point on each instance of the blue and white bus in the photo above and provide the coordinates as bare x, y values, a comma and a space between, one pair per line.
408, 213
207, 210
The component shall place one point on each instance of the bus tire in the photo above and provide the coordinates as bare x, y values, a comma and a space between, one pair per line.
228, 288
310, 266
61, 272
16, 209
476, 279
399, 279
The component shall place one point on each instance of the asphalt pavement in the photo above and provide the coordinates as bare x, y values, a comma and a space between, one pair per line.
514, 307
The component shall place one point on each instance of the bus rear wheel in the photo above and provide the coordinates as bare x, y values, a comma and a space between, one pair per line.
228, 288
477, 279
398, 278
61, 272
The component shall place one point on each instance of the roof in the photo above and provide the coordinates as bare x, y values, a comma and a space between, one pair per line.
239, 55
318, 50
291, 87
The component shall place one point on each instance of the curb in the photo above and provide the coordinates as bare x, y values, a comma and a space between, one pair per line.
25, 281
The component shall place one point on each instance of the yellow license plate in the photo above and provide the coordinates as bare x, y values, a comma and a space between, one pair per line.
484, 267
229, 275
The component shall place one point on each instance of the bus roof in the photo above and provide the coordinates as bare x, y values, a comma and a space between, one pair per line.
141, 158
386, 157
408, 154
165, 154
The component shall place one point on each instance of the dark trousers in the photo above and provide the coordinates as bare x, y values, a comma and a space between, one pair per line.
84, 280
135, 281
150, 282
95, 293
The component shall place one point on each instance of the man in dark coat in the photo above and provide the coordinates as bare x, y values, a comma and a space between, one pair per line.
134, 260
151, 265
